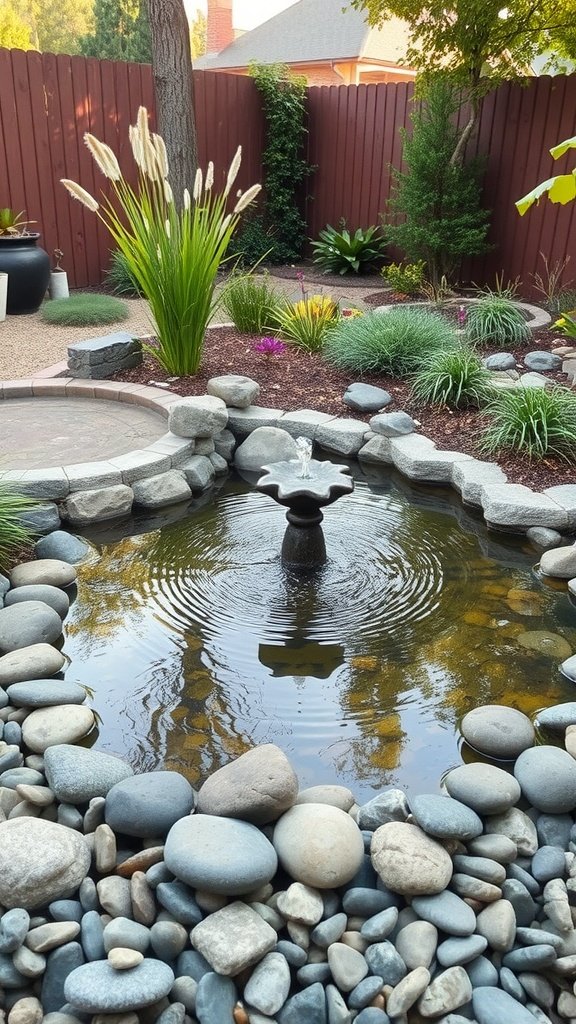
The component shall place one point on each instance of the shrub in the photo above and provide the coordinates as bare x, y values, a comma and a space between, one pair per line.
533, 421
405, 278
306, 323
251, 303
13, 533
84, 309
397, 342
495, 320
339, 252
119, 278
454, 378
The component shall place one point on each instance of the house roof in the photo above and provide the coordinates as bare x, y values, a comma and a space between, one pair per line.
313, 30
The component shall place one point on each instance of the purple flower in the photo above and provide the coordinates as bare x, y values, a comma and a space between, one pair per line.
461, 316
270, 347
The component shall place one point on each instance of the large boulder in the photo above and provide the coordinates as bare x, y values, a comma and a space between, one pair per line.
264, 446
258, 786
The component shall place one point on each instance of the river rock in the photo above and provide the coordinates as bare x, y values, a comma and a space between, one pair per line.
347, 965
366, 397
492, 1004
34, 662
318, 845
454, 952
61, 724
215, 999
62, 546
392, 424
76, 774
269, 984
408, 861
517, 827
168, 488
219, 855
498, 731
483, 787
385, 962
308, 1005
558, 717
447, 912
542, 361
50, 571
54, 597
43, 693
301, 903
233, 938
98, 988
547, 776
40, 861
500, 361
497, 923
541, 640
31, 622
407, 991
336, 796
548, 862
416, 944
257, 787
13, 929
448, 991
148, 805
445, 818
559, 562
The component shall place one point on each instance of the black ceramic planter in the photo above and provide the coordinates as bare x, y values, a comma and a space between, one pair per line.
28, 269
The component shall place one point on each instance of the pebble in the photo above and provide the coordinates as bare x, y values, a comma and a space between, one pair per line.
215, 999
26, 1011
233, 938
497, 924
336, 796
447, 912
480, 867
372, 1015
498, 731
66, 910
66, 723
92, 932
408, 861
76, 774
38, 693
483, 787
14, 926
407, 992
445, 818
308, 1005
114, 896
537, 988
126, 933
177, 899
347, 965
38, 661
123, 959
391, 805
532, 958
59, 964
547, 776
294, 954
453, 952
318, 845
48, 936
416, 943
518, 827
481, 971
330, 930
148, 805
98, 988
525, 909
269, 984
365, 992
221, 855
448, 991
379, 927
385, 961
474, 888
168, 939
104, 849
492, 1004
301, 903
557, 717
365, 902
63, 546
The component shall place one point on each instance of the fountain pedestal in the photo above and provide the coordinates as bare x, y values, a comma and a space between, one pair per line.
303, 547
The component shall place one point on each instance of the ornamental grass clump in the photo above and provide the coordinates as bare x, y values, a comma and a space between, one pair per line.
536, 422
173, 251
496, 320
251, 303
397, 342
306, 323
454, 378
14, 534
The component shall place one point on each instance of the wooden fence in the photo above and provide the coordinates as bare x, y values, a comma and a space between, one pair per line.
47, 102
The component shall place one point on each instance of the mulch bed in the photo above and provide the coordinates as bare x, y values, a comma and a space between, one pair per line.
295, 380
317, 276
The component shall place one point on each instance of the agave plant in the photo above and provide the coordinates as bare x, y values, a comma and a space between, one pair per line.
340, 252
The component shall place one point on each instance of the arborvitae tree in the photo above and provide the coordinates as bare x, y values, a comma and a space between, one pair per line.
14, 32
121, 32
439, 201
198, 35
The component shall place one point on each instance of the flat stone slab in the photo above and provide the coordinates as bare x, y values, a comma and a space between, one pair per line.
39, 432
514, 506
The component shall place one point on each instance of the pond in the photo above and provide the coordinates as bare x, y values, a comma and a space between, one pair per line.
199, 645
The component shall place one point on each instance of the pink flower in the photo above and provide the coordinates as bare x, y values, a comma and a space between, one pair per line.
270, 347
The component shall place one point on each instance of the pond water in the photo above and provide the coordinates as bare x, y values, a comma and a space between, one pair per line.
198, 644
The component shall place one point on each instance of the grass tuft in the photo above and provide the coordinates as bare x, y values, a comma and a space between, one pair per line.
536, 422
13, 533
454, 378
118, 277
496, 320
397, 342
252, 304
84, 309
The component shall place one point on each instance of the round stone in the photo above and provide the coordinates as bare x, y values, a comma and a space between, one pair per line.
43, 693
76, 774
63, 546
98, 988
547, 776
40, 861
122, 959
447, 912
408, 861
66, 723
558, 717
483, 787
148, 805
445, 818
54, 597
542, 361
219, 855
257, 787
544, 642
235, 390
498, 731
31, 622
366, 397
269, 984
319, 845
35, 662
493, 1004
336, 796
50, 571
500, 361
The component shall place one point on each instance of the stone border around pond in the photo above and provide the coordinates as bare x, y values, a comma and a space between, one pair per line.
536, 317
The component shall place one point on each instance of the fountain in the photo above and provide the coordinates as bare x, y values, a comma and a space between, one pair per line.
305, 486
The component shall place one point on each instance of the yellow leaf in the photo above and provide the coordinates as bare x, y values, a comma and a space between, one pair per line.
563, 147
563, 189
534, 196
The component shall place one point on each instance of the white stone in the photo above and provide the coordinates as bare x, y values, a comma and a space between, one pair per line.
319, 845
233, 938
513, 506
40, 861
408, 861
234, 389
470, 477
301, 903
66, 723
559, 562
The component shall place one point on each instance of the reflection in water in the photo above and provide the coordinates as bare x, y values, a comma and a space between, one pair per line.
198, 644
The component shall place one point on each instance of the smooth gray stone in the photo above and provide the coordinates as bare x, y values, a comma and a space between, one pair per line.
558, 717
445, 818
492, 1004
3, 694
92, 936
127, 934
336, 1008
361, 902
329, 931
447, 912
480, 867
515, 871
76, 774
517, 894
495, 847
372, 1015
380, 926
220, 855
554, 830
538, 989
70, 816
158, 873
500, 361
366, 397
481, 972
391, 805
88, 895
31, 622
308, 1005
12, 733
59, 964
192, 964
548, 862
11, 758
547, 776
483, 787
537, 936
21, 777
392, 424
331, 901
295, 955
532, 958
42, 693
365, 992
509, 982
4, 584
66, 910
13, 929
64, 546
544, 538
9, 976
98, 988
269, 984
173, 1014
184, 991
453, 952
498, 731
384, 961
365, 877
148, 805
168, 939
54, 597
542, 361
312, 974
178, 900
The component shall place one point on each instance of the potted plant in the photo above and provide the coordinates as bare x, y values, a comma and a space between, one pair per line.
27, 265
58, 278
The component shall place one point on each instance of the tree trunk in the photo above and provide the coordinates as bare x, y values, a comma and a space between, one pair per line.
174, 90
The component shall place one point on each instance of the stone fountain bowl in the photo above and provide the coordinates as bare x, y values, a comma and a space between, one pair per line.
326, 483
